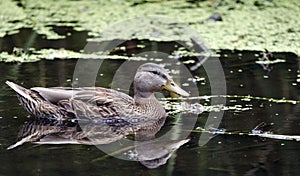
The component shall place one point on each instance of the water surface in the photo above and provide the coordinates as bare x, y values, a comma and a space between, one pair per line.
222, 155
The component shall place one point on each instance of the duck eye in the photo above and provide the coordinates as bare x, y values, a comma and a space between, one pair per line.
154, 72
159, 74
164, 76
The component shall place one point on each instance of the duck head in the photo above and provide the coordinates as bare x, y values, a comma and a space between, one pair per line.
150, 78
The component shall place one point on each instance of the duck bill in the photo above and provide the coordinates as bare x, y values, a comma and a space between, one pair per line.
175, 90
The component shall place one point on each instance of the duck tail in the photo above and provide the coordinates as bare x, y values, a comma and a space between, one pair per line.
21, 91
35, 104
29, 99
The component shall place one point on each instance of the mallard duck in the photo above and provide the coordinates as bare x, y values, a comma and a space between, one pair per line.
101, 104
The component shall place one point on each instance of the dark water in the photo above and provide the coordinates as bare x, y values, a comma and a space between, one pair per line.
222, 155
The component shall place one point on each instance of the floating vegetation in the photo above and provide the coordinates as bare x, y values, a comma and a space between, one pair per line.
34, 55
241, 97
173, 106
244, 26
197, 108
50, 54
183, 52
248, 98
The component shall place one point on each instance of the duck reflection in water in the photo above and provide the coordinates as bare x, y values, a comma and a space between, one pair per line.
96, 115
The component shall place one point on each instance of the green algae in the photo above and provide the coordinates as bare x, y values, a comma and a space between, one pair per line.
178, 105
240, 97
247, 25
50, 54
34, 55
12, 18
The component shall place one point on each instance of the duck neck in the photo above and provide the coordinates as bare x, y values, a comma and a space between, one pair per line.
149, 104
144, 97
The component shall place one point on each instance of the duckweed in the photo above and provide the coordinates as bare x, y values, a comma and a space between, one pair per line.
245, 25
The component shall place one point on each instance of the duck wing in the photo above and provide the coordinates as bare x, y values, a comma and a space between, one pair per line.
90, 102
62, 103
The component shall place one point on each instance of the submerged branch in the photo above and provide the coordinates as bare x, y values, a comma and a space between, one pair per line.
252, 133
